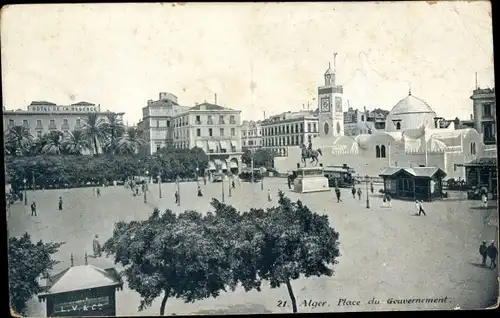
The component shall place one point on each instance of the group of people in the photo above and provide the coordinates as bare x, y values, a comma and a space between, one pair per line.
489, 251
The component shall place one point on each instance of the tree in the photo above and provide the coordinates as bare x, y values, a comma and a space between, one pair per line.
129, 143
18, 140
261, 158
52, 143
170, 255
289, 241
28, 262
95, 130
76, 143
114, 126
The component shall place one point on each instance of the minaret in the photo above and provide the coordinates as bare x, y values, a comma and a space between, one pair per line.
331, 114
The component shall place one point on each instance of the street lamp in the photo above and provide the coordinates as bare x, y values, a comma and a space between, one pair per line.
197, 175
145, 187
177, 179
222, 189
159, 184
25, 198
262, 171
367, 197
251, 165
229, 183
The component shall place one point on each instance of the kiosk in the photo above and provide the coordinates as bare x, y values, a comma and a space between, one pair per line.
311, 179
83, 290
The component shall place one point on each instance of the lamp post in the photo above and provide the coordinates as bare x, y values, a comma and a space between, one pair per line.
251, 165
367, 197
25, 198
262, 171
144, 189
177, 180
222, 189
159, 184
229, 184
197, 175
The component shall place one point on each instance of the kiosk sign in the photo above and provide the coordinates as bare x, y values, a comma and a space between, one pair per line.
89, 304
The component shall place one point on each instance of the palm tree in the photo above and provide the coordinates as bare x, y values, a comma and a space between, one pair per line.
114, 126
18, 140
130, 143
94, 130
76, 142
52, 143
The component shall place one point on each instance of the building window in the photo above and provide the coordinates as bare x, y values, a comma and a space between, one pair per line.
221, 119
158, 147
222, 131
362, 117
232, 120
308, 127
382, 151
301, 127
210, 121
398, 126
78, 123
377, 151
39, 123
198, 132
315, 128
233, 132
39, 133
472, 148
198, 120
12, 122
287, 129
210, 132
25, 123
52, 122
487, 110
288, 140
168, 123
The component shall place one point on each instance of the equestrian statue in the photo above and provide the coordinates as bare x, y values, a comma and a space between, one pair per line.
309, 153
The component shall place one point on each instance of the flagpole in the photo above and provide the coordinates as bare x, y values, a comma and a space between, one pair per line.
389, 154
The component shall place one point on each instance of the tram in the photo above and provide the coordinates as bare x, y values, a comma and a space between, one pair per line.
340, 176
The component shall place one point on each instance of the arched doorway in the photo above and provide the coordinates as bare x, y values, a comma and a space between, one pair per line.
233, 166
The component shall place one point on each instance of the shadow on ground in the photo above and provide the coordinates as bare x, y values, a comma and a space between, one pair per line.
481, 208
479, 265
237, 309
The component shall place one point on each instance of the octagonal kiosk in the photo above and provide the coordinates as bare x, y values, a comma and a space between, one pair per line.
83, 290
310, 179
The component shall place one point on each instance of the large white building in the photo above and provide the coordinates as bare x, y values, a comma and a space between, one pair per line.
289, 129
213, 128
41, 117
413, 136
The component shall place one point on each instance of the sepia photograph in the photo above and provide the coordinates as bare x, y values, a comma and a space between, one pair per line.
191, 158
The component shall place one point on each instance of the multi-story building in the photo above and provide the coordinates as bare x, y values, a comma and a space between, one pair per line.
213, 128
358, 122
289, 129
484, 110
42, 117
251, 135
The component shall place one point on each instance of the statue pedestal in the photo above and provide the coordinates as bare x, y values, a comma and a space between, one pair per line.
310, 180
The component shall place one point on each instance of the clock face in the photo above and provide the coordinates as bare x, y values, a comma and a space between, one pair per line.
325, 104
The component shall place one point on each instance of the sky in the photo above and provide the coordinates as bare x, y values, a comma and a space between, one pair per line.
256, 57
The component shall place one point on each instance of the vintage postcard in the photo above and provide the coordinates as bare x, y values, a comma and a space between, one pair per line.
244, 158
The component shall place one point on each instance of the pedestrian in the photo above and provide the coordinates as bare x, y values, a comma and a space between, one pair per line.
205, 180
21, 196
482, 252
199, 193
353, 191
492, 254
359, 193
337, 193
421, 208
388, 198
417, 206
176, 195
289, 182
371, 187
269, 195
484, 201
33, 209
96, 246
98, 191
93, 191
232, 184
60, 204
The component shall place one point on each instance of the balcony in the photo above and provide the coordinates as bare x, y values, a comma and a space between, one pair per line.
52, 126
210, 122
198, 122
222, 122
65, 127
232, 122
39, 127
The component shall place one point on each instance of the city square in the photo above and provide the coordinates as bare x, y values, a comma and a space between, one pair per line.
386, 252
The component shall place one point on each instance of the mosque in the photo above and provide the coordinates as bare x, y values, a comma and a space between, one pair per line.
413, 136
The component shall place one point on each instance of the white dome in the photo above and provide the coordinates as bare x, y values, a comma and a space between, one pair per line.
409, 113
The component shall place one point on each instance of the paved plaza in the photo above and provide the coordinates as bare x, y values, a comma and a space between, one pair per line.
385, 252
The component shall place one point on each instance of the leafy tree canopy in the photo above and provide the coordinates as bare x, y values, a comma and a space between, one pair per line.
28, 262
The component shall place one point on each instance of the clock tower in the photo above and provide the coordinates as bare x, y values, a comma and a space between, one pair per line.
331, 113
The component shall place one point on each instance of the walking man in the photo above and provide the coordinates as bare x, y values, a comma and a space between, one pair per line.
199, 193
421, 208
337, 193
176, 195
232, 184
484, 201
359, 193
93, 192
371, 187
289, 180
33, 209
98, 192
269, 195
492, 254
96, 246
482, 251
60, 204
353, 191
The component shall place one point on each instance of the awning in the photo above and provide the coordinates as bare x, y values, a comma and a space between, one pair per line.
223, 145
211, 165
234, 144
223, 165
233, 164
200, 144
212, 145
